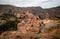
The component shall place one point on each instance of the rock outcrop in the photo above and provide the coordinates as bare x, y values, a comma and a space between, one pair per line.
29, 26
29, 23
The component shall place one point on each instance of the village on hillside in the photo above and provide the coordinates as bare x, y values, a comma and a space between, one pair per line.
28, 26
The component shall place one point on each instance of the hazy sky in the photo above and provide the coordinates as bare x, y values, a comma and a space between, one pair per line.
29, 3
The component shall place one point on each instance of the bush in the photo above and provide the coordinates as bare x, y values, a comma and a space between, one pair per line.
8, 26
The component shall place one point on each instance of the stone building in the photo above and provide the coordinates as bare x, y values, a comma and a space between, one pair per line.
29, 24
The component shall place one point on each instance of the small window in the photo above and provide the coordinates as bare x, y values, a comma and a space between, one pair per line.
18, 37
31, 37
37, 38
31, 25
37, 18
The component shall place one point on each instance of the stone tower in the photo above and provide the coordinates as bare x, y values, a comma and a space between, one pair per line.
46, 16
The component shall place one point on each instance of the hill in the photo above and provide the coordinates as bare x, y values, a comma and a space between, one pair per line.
29, 22
9, 9
54, 12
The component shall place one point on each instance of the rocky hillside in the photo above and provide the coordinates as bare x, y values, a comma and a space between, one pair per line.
28, 26
29, 23
13, 9
54, 12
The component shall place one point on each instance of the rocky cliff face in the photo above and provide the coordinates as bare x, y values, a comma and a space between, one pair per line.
13, 9
29, 23
54, 12
26, 23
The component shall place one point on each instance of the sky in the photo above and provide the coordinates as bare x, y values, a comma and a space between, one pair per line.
30, 3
